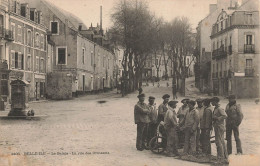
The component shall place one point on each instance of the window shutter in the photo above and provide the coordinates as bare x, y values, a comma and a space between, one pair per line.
13, 60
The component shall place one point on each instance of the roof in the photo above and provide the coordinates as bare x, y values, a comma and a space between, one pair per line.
73, 21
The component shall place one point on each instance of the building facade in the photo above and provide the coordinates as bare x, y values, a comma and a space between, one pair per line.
235, 54
25, 54
82, 60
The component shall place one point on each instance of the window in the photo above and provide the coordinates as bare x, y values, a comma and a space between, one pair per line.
37, 40
42, 65
4, 85
217, 44
54, 28
83, 55
37, 64
22, 61
104, 61
221, 25
249, 39
29, 62
108, 63
42, 41
213, 46
119, 62
249, 18
156, 62
230, 40
29, 38
249, 63
61, 58
92, 58
16, 60
19, 34
13, 59
13, 30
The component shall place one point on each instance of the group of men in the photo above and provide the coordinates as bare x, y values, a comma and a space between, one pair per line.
193, 125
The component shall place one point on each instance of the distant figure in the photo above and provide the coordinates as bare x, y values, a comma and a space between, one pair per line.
257, 101
167, 84
158, 85
140, 90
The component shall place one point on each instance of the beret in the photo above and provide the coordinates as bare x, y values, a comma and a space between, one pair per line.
172, 102
151, 97
141, 95
215, 99
183, 100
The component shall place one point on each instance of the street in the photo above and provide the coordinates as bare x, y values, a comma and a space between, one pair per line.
84, 132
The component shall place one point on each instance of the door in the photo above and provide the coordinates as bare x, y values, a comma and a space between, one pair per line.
37, 91
83, 82
1, 25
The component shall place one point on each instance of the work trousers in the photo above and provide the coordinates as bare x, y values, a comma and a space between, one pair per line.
141, 135
190, 141
198, 140
172, 140
220, 143
205, 141
235, 129
152, 130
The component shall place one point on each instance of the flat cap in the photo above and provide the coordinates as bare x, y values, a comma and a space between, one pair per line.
166, 96
141, 95
192, 102
216, 99
172, 102
231, 97
199, 100
151, 97
184, 100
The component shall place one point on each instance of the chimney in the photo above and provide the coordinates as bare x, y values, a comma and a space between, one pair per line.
101, 30
80, 26
212, 8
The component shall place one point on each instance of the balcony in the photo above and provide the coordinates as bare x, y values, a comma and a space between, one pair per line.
6, 34
230, 49
249, 72
249, 48
219, 53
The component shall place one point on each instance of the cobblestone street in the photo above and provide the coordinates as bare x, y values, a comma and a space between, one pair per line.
84, 125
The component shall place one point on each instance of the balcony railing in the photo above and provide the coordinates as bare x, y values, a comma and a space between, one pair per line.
230, 49
249, 72
6, 34
219, 53
249, 48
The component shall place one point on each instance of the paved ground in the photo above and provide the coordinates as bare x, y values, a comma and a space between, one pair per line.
76, 130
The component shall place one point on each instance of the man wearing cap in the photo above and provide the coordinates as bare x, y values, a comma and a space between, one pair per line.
170, 124
141, 114
190, 128
153, 118
180, 115
218, 117
163, 108
234, 119
206, 127
200, 110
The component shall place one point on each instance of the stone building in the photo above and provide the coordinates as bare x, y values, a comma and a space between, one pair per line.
82, 60
235, 53
25, 55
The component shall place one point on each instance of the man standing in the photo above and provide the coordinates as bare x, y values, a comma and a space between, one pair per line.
234, 119
170, 124
141, 114
163, 108
200, 110
153, 118
190, 128
181, 114
218, 117
206, 127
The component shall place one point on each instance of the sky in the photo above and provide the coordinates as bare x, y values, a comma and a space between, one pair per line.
89, 10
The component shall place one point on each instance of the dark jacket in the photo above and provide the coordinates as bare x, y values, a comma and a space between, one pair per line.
206, 120
192, 119
234, 114
141, 113
162, 109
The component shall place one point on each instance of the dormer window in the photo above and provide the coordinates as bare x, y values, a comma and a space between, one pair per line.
54, 27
